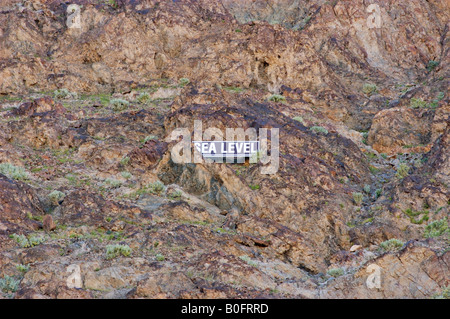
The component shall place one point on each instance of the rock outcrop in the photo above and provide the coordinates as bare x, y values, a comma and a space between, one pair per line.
93, 204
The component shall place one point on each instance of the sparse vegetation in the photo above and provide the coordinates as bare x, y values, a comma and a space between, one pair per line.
160, 257
234, 89
392, 245
64, 93
112, 3
277, 98
373, 169
124, 161
82, 193
445, 294
25, 242
119, 105
417, 103
113, 183
335, 272
184, 81
144, 97
364, 135
436, 228
148, 138
9, 284
369, 89
318, 129
402, 170
14, 172
299, 119
22, 268
357, 198
176, 195
378, 192
248, 260
432, 65
413, 214
56, 197
126, 175
155, 188
113, 251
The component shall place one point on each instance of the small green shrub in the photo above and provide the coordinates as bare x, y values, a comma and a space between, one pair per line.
126, 175
444, 295
113, 183
9, 284
156, 187
254, 187
369, 89
378, 192
112, 3
64, 93
432, 65
124, 161
176, 195
234, 89
25, 242
22, 268
357, 198
318, 129
436, 228
335, 272
119, 104
392, 245
248, 260
299, 119
412, 216
367, 189
277, 98
417, 103
113, 251
144, 97
402, 171
364, 135
184, 81
374, 170
148, 138
56, 197
160, 257
14, 172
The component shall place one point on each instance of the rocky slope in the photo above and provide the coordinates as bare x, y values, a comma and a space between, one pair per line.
88, 186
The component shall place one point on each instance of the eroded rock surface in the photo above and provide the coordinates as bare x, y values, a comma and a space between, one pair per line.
90, 193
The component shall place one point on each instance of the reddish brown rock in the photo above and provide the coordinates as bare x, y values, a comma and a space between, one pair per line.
149, 155
48, 222
41, 105
18, 204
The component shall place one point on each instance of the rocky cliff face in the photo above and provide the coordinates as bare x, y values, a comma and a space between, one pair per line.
358, 91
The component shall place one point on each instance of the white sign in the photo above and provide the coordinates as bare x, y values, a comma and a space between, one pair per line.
212, 149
